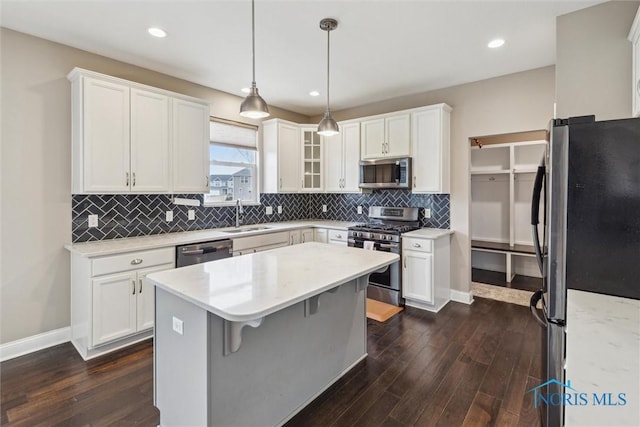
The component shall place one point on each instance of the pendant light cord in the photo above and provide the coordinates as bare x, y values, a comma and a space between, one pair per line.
328, 56
253, 42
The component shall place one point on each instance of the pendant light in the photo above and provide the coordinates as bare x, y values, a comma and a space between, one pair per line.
253, 106
328, 126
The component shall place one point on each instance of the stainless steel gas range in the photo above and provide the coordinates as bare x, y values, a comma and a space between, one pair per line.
383, 233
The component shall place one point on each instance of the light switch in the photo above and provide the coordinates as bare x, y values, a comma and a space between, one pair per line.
191, 214
93, 220
279, 209
169, 216
178, 325
427, 213
324, 208
359, 210
268, 210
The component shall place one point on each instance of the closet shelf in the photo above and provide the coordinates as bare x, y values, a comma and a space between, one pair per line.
502, 247
488, 171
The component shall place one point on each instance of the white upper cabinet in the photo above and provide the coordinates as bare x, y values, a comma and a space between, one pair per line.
122, 140
430, 149
281, 157
341, 159
150, 142
102, 136
190, 147
387, 136
311, 160
634, 37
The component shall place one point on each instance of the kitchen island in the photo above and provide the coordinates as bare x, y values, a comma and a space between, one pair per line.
251, 340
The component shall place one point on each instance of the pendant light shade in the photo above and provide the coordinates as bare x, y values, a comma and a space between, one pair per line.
253, 106
328, 126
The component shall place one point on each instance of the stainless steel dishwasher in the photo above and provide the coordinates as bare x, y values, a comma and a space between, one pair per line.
203, 252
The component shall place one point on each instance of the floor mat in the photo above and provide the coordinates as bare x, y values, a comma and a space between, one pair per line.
381, 311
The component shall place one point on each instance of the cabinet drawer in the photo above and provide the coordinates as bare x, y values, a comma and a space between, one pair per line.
269, 239
132, 261
338, 235
420, 245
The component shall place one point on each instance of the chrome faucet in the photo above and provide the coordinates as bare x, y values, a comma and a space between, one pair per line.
239, 212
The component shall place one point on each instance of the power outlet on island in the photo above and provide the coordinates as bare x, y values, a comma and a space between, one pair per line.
279, 209
178, 326
93, 220
268, 210
359, 210
191, 214
169, 216
427, 213
324, 208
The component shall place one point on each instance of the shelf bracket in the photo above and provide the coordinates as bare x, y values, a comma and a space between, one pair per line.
233, 334
362, 283
311, 305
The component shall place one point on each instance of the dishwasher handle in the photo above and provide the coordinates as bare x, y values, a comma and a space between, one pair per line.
203, 251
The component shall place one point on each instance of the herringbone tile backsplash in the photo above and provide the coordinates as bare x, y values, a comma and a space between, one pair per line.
139, 215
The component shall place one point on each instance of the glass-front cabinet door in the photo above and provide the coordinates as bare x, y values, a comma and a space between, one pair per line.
311, 160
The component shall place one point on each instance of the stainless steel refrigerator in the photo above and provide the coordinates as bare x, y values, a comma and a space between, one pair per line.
589, 182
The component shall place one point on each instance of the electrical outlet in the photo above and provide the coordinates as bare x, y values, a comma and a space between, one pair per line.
191, 214
93, 220
178, 325
279, 209
324, 208
359, 210
169, 216
427, 213
268, 210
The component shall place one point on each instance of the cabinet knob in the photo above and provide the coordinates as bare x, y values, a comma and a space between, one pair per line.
127, 178
417, 245
339, 236
206, 181
136, 261
134, 179
133, 287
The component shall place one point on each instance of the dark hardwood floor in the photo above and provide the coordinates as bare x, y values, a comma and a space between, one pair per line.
465, 366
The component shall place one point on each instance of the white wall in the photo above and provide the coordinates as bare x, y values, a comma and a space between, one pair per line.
512, 103
36, 172
593, 67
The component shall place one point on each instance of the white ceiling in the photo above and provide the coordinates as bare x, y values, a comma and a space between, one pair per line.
380, 50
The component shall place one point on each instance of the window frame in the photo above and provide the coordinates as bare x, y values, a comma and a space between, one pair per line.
255, 167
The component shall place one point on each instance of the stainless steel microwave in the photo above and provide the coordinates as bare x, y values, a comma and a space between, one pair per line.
386, 173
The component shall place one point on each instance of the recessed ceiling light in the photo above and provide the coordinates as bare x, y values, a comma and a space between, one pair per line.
495, 43
314, 93
245, 90
157, 32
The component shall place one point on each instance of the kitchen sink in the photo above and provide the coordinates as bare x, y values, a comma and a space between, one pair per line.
240, 230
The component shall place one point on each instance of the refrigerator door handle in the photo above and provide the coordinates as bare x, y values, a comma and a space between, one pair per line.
533, 302
535, 212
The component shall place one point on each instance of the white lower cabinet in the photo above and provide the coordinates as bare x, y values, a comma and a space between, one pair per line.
112, 305
425, 272
332, 236
306, 235
123, 304
261, 242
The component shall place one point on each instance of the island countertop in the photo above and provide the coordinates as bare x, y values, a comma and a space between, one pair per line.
249, 287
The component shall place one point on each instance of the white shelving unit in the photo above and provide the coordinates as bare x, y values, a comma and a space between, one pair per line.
502, 178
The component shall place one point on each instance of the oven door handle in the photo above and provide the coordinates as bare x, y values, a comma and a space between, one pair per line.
389, 245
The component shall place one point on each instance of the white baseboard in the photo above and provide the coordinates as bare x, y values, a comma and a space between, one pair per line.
463, 297
33, 343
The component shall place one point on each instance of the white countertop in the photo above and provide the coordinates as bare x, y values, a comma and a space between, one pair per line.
603, 356
428, 233
128, 244
252, 286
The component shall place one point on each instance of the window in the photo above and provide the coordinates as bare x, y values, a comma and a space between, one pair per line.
233, 163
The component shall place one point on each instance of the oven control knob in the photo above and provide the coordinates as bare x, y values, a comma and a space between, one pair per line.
357, 234
389, 237
371, 235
